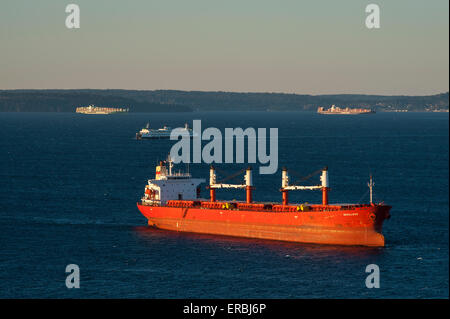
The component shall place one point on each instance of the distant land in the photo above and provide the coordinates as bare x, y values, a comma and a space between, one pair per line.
191, 101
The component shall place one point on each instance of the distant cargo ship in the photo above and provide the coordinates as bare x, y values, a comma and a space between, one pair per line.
91, 109
164, 132
337, 110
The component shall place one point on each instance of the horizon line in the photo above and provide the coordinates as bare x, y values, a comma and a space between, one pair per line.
218, 91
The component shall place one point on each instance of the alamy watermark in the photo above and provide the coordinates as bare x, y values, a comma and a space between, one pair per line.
212, 152
73, 19
373, 279
73, 279
373, 19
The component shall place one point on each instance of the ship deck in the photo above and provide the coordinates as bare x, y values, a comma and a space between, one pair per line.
257, 206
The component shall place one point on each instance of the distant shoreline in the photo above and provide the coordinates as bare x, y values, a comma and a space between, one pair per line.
142, 101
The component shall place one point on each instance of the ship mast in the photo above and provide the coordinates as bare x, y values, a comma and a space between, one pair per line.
371, 184
169, 160
248, 184
324, 187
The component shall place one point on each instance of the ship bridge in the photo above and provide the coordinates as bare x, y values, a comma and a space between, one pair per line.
168, 185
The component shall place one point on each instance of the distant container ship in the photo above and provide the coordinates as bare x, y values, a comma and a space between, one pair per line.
337, 110
91, 109
160, 133
172, 201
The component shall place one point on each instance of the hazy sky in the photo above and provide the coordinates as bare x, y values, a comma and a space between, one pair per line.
307, 47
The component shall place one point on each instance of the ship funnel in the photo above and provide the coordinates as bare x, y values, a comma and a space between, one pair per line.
248, 184
160, 171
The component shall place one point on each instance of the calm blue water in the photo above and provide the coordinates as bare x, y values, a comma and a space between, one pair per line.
69, 185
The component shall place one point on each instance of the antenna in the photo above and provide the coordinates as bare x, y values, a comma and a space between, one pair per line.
371, 184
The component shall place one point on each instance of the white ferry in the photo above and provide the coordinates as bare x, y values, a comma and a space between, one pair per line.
164, 132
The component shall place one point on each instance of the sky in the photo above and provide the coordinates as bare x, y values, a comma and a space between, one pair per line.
290, 46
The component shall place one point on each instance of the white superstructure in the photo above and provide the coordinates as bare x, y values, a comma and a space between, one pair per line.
168, 185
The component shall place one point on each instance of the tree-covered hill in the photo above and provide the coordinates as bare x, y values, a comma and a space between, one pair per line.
185, 101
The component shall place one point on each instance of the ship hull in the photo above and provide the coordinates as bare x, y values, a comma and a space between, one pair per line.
154, 137
147, 137
360, 226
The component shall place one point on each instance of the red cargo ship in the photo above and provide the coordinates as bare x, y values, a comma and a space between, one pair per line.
171, 201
